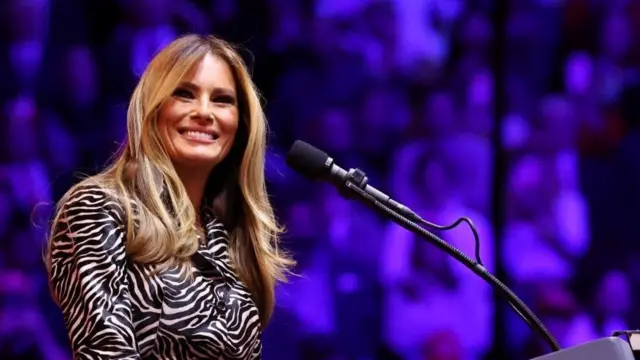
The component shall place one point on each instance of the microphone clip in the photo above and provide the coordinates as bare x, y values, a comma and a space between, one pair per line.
355, 177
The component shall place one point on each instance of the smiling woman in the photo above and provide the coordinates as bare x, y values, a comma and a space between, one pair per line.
199, 122
172, 251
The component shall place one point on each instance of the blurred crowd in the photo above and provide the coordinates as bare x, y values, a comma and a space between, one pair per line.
403, 89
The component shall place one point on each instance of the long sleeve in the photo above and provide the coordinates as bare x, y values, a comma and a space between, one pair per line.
89, 276
256, 353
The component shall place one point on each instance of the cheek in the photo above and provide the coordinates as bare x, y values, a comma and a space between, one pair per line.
163, 128
229, 127
165, 138
229, 144
166, 119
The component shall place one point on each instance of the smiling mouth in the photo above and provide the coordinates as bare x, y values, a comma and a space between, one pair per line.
199, 135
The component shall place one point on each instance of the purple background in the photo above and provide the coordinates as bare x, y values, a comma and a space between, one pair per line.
528, 128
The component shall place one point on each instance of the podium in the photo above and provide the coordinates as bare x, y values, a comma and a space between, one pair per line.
609, 348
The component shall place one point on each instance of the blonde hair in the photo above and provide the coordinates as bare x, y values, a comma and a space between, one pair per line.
142, 173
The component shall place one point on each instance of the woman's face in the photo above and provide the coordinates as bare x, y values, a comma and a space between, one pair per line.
198, 123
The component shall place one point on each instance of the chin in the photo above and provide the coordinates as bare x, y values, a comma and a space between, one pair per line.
198, 154
200, 159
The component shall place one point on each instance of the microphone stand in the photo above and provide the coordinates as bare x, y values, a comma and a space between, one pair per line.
356, 182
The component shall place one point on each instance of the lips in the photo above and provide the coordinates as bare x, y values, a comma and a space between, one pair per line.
199, 134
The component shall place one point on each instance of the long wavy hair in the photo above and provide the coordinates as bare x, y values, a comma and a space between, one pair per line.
142, 174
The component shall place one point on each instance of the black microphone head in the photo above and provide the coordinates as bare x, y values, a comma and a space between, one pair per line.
307, 160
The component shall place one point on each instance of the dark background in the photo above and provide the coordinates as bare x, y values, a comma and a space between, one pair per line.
522, 116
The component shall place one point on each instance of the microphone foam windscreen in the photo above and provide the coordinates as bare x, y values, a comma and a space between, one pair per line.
307, 159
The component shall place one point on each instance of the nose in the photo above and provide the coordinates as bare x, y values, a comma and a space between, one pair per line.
203, 110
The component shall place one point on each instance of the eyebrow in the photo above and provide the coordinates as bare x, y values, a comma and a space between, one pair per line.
216, 90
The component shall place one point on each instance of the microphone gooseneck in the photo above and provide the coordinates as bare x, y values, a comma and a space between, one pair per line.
317, 165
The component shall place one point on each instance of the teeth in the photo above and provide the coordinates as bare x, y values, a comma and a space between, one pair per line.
200, 135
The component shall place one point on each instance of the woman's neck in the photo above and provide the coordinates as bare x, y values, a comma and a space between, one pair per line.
194, 182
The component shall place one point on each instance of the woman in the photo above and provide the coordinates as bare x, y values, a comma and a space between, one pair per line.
172, 252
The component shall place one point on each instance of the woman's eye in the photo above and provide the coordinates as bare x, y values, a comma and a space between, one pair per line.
225, 99
183, 93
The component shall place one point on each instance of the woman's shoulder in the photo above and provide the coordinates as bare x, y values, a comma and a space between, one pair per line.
92, 195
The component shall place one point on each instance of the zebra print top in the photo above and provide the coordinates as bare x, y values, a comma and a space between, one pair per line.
117, 309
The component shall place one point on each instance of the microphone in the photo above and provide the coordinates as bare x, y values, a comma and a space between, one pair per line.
317, 165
